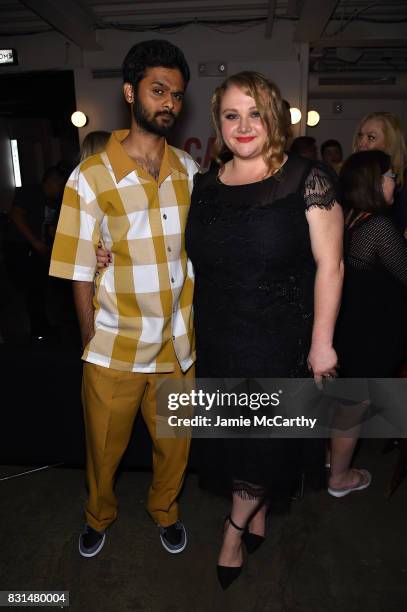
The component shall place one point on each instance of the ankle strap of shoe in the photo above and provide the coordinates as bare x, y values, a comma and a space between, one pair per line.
234, 524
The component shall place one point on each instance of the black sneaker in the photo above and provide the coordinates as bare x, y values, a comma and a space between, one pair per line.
91, 541
173, 537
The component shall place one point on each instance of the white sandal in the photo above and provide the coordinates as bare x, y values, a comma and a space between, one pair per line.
364, 481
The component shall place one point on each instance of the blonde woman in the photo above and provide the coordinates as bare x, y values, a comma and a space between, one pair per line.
264, 235
382, 130
94, 142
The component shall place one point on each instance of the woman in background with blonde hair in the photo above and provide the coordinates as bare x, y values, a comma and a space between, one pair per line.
94, 142
382, 130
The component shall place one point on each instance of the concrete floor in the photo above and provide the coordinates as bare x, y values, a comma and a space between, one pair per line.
326, 555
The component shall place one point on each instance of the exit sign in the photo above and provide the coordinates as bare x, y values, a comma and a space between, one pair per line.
8, 57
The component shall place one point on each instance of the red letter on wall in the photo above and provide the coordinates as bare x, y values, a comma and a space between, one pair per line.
193, 142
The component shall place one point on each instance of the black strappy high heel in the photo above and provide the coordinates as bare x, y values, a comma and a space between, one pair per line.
227, 575
252, 541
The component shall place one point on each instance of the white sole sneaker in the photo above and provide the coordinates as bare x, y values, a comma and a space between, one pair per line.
174, 549
343, 492
91, 552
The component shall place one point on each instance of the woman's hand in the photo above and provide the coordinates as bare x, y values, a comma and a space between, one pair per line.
104, 257
323, 362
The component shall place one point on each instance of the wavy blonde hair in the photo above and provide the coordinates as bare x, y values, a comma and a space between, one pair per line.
94, 142
395, 145
269, 104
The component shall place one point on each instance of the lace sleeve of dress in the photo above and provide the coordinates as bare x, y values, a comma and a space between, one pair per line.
319, 189
391, 248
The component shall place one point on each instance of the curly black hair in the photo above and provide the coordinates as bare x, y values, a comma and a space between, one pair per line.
152, 53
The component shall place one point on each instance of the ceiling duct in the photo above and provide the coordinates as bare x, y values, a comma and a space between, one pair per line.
350, 55
362, 85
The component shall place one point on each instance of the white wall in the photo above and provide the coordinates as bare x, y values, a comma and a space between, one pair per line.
279, 58
101, 99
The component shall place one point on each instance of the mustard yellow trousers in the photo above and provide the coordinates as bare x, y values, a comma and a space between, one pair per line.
111, 399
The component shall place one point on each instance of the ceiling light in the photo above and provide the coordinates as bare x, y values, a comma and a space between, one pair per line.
313, 118
295, 115
79, 119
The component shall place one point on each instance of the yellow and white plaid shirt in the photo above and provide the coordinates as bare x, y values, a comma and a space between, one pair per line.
143, 300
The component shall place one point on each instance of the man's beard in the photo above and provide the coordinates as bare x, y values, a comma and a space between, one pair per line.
148, 123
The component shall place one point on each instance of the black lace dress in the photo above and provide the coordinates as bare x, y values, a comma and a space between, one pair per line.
371, 333
253, 302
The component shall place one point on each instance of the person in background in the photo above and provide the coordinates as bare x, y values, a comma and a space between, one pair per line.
305, 146
332, 155
371, 332
94, 142
28, 247
53, 188
382, 130
135, 317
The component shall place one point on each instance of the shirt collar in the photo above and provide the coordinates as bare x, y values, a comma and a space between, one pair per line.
123, 164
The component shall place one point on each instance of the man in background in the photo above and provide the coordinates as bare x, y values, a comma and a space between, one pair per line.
305, 146
331, 154
27, 247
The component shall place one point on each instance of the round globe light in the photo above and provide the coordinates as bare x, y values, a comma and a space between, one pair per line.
295, 115
79, 119
313, 118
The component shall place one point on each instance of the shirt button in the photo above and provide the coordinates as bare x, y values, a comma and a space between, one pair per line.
169, 249
164, 216
172, 279
173, 337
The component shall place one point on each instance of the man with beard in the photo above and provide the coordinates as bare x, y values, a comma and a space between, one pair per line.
136, 321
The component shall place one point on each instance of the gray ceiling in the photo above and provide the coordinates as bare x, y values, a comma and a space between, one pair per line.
344, 35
